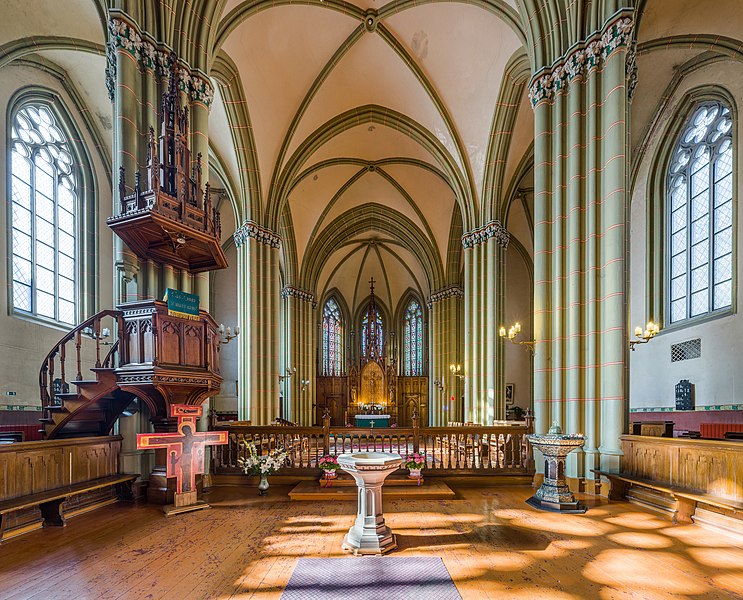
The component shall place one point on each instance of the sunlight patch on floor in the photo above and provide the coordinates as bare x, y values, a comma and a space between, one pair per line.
639, 570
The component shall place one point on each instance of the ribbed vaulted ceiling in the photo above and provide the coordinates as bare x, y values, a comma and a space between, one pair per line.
372, 119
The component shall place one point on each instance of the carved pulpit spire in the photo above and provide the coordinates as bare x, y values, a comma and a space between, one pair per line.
171, 204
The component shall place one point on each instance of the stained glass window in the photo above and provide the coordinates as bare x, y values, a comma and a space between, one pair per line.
700, 215
412, 339
44, 205
366, 326
332, 339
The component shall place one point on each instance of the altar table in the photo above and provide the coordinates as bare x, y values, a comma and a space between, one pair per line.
367, 420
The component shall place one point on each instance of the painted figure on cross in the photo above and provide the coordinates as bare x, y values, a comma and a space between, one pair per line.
185, 448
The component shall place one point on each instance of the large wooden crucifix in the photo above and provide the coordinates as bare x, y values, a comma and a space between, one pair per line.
185, 450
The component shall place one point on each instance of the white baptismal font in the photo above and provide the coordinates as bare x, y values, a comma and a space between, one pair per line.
369, 533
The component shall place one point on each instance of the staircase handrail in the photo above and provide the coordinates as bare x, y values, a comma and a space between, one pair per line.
46, 373
108, 361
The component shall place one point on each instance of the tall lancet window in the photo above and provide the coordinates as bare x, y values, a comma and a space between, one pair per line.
412, 360
332, 339
699, 206
372, 332
42, 223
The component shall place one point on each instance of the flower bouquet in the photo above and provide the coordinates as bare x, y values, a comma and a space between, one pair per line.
415, 462
329, 465
262, 465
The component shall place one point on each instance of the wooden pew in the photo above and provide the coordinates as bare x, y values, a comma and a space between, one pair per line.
46, 481
50, 502
686, 500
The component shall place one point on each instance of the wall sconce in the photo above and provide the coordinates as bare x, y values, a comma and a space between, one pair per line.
289, 372
456, 370
438, 384
513, 333
227, 334
651, 330
104, 333
305, 383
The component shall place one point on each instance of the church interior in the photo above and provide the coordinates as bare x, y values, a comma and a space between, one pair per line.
269, 263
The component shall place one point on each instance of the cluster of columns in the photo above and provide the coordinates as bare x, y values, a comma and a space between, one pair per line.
298, 366
258, 297
580, 266
484, 272
445, 349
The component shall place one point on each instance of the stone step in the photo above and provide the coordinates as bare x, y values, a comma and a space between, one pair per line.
310, 491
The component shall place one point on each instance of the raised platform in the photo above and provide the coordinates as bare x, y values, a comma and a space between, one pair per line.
345, 480
393, 488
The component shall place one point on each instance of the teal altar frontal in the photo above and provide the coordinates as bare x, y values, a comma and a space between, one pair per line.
372, 420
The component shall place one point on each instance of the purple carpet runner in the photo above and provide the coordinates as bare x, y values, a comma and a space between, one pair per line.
371, 578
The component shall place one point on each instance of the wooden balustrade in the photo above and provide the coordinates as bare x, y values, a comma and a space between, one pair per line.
476, 450
87, 340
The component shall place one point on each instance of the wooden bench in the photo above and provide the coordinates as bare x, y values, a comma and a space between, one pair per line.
50, 502
686, 500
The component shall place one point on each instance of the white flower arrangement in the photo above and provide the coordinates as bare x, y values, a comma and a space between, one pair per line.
262, 464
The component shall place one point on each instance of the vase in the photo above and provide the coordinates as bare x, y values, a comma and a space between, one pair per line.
329, 476
415, 474
263, 486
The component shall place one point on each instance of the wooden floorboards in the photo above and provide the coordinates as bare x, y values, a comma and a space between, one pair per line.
493, 545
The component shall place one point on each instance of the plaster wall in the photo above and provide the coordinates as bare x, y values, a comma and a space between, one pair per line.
24, 343
518, 308
224, 310
717, 375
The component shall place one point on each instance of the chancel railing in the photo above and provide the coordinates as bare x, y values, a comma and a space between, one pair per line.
476, 450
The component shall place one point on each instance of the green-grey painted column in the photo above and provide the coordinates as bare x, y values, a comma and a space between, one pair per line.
258, 318
469, 354
485, 247
299, 344
445, 348
580, 156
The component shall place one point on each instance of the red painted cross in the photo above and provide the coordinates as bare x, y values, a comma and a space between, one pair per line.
185, 448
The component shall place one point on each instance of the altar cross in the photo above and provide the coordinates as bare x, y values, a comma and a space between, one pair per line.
185, 448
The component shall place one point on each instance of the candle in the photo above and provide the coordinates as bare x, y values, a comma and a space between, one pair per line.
229, 331
502, 331
237, 329
517, 327
638, 331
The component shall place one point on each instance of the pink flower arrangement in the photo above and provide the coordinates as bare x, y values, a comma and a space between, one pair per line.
328, 463
393, 425
415, 461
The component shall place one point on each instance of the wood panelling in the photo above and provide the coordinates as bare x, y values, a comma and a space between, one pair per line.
710, 466
32, 467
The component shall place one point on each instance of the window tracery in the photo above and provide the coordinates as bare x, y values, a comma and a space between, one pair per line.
43, 224
699, 207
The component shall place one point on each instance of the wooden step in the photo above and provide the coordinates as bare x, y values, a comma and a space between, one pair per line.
312, 492
345, 480
653, 499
